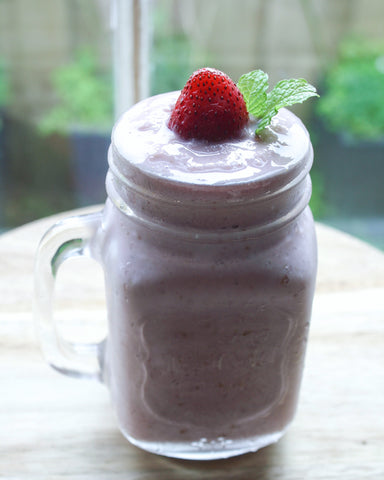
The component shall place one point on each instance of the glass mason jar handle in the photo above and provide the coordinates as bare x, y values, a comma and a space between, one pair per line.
68, 238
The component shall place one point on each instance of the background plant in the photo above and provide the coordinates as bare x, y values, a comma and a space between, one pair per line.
173, 55
5, 89
4, 85
84, 96
353, 97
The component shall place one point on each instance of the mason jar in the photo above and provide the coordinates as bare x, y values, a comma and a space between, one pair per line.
209, 290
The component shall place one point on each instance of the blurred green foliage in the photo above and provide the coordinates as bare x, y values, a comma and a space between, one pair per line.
5, 89
171, 65
353, 99
317, 203
84, 96
173, 56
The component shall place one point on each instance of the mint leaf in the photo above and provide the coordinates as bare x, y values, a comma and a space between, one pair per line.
254, 86
263, 105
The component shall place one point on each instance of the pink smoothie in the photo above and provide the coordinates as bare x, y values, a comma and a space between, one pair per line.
209, 255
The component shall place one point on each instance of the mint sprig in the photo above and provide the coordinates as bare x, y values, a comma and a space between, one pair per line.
264, 105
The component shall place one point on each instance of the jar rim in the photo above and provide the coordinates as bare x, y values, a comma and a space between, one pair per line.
170, 190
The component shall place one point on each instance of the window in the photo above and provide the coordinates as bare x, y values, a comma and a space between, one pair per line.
69, 67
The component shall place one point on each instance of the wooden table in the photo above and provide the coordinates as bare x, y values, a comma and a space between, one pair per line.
54, 427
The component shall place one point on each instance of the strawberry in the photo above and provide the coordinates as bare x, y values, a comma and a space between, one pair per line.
209, 107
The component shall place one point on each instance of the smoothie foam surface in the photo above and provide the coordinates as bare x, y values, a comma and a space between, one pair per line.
142, 136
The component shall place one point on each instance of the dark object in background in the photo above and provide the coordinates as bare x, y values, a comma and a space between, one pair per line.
90, 165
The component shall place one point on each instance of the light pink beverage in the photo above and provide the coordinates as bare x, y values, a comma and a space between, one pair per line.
209, 255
